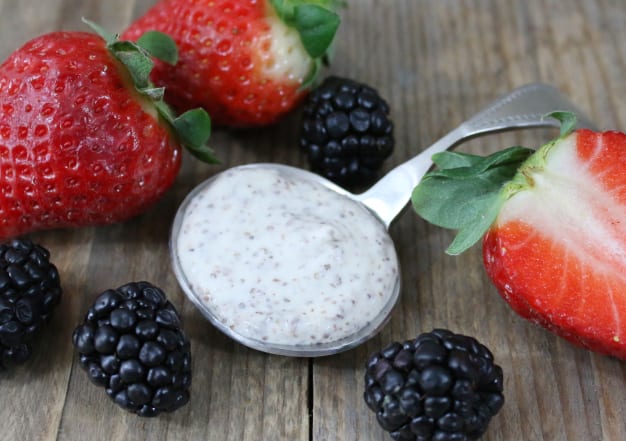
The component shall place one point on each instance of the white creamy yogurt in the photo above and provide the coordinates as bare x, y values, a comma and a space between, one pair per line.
284, 261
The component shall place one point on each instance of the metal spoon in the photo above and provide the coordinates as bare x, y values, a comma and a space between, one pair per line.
522, 108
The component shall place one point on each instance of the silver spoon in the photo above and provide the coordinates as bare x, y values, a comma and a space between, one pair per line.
522, 108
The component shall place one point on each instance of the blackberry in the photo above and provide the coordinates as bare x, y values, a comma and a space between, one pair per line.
346, 132
132, 344
30, 290
441, 387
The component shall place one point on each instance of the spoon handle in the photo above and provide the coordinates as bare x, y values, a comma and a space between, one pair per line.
524, 107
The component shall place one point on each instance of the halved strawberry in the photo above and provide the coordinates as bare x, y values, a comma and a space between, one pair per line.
555, 223
247, 62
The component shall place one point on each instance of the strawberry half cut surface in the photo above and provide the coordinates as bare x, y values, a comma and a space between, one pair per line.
553, 226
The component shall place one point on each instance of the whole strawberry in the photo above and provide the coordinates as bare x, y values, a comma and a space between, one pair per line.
247, 62
85, 138
555, 224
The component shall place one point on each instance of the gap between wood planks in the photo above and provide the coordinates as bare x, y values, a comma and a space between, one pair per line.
310, 397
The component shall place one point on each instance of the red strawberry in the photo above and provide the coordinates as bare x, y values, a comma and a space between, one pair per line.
247, 62
80, 144
555, 247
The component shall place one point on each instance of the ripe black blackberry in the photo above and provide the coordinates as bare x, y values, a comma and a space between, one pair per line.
441, 387
30, 290
346, 131
132, 344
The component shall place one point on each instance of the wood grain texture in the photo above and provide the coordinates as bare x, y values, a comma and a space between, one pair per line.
436, 62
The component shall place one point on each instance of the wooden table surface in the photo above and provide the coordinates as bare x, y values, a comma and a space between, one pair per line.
436, 62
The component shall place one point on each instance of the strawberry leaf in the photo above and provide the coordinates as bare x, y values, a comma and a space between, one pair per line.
465, 192
567, 120
473, 231
194, 129
160, 46
447, 159
138, 64
317, 27
284, 10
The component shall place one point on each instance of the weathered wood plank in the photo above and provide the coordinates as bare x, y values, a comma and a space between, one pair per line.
463, 54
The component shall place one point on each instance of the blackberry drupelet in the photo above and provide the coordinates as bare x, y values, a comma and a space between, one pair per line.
441, 387
132, 344
30, 290
346, 132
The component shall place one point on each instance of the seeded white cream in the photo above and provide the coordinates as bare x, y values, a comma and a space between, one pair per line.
284, 261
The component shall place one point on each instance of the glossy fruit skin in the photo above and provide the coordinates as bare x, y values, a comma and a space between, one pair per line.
346, 131
441, 386
132, 344
77, 145
30, 291
223, 46
572, 284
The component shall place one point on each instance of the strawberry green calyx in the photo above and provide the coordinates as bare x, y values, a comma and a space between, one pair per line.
316, 22
465, 192
192, 128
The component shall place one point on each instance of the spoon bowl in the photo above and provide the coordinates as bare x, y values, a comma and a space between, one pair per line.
285, 273
359, 317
